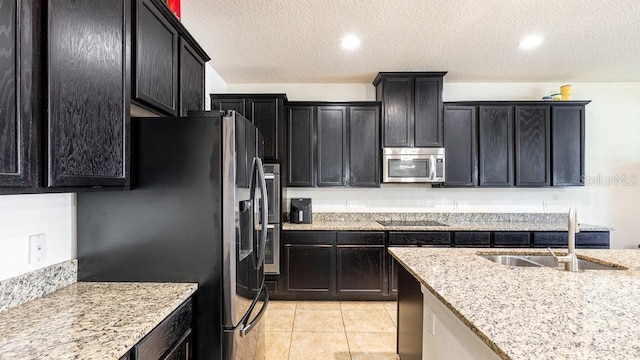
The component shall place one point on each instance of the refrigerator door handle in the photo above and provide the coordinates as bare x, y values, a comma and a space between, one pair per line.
264, 212
246, 328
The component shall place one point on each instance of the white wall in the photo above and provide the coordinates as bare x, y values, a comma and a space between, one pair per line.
24, 215
213, 83
610, 198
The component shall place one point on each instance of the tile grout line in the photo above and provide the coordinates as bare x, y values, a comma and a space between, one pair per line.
344, 327
295, 313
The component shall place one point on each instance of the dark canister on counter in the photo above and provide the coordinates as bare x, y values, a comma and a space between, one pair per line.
300, 211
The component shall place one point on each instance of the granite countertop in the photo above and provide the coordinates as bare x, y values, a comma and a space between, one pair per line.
526, 313
88, 320
451, 226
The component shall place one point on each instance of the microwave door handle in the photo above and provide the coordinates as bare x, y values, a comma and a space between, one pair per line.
432, 168
264, 212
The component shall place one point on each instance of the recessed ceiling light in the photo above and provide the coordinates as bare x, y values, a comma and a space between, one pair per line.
530, 42
350, 42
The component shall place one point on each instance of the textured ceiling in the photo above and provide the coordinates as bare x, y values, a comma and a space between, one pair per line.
298, 41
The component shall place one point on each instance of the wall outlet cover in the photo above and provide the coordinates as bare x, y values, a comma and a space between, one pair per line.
37, 248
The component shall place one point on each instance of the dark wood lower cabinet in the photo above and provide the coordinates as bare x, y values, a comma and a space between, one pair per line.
356, 265
584, 240
409, 316
310, 268
170, 340
361, 258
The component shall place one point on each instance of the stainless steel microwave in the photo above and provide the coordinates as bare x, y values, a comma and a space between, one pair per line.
413, 165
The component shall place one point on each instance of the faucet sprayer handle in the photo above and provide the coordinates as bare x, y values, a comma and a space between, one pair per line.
553, 254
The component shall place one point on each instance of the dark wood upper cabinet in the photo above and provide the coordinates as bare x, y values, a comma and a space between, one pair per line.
88, 70
526, 144
155, 59
428, 112
168, 64
191, 79
219, 102
495, 151
332, 159
267, 115
70, 130
345, 141
18, 92
460, 142
265, 111
411, 108
533, 145
300, 159
364, 146
397, 111
567, 136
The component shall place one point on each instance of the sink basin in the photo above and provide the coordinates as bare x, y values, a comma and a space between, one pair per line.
545, 261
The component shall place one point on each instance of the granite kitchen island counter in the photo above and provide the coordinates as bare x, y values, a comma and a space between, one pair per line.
529, 313
88, 320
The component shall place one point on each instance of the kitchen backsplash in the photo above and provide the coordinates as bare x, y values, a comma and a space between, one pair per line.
30, 286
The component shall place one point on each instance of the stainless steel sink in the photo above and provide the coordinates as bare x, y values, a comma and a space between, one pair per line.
545, 261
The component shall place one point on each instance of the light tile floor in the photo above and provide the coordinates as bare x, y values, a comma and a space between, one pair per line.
330, 330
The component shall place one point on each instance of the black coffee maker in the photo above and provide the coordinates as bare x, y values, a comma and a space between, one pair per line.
300, 211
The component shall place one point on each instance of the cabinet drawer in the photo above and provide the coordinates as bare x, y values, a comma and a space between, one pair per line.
584, 240
161, 339
482, 239
511, 239
437, 238
593, 239
550, 239
360, 238
309, 237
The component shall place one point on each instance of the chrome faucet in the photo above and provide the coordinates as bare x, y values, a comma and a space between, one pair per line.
570, 261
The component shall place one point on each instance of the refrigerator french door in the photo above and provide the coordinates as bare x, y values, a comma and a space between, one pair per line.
245, 222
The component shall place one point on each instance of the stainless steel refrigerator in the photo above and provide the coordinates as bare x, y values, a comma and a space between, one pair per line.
197, 212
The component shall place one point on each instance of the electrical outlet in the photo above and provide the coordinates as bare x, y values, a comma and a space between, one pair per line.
349, 205
430, 322
545, 205
37, 248
456, 204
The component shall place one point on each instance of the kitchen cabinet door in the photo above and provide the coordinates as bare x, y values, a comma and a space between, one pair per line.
265, 111
88, 97
156, 59
428, 112
495, 156
300, 142
533, 146
191, 79
397, 99
18, 92
364, 146
226, 104
567, 136
266, 115
310, 261
460, 142
332, 142
411, 108
361, 263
